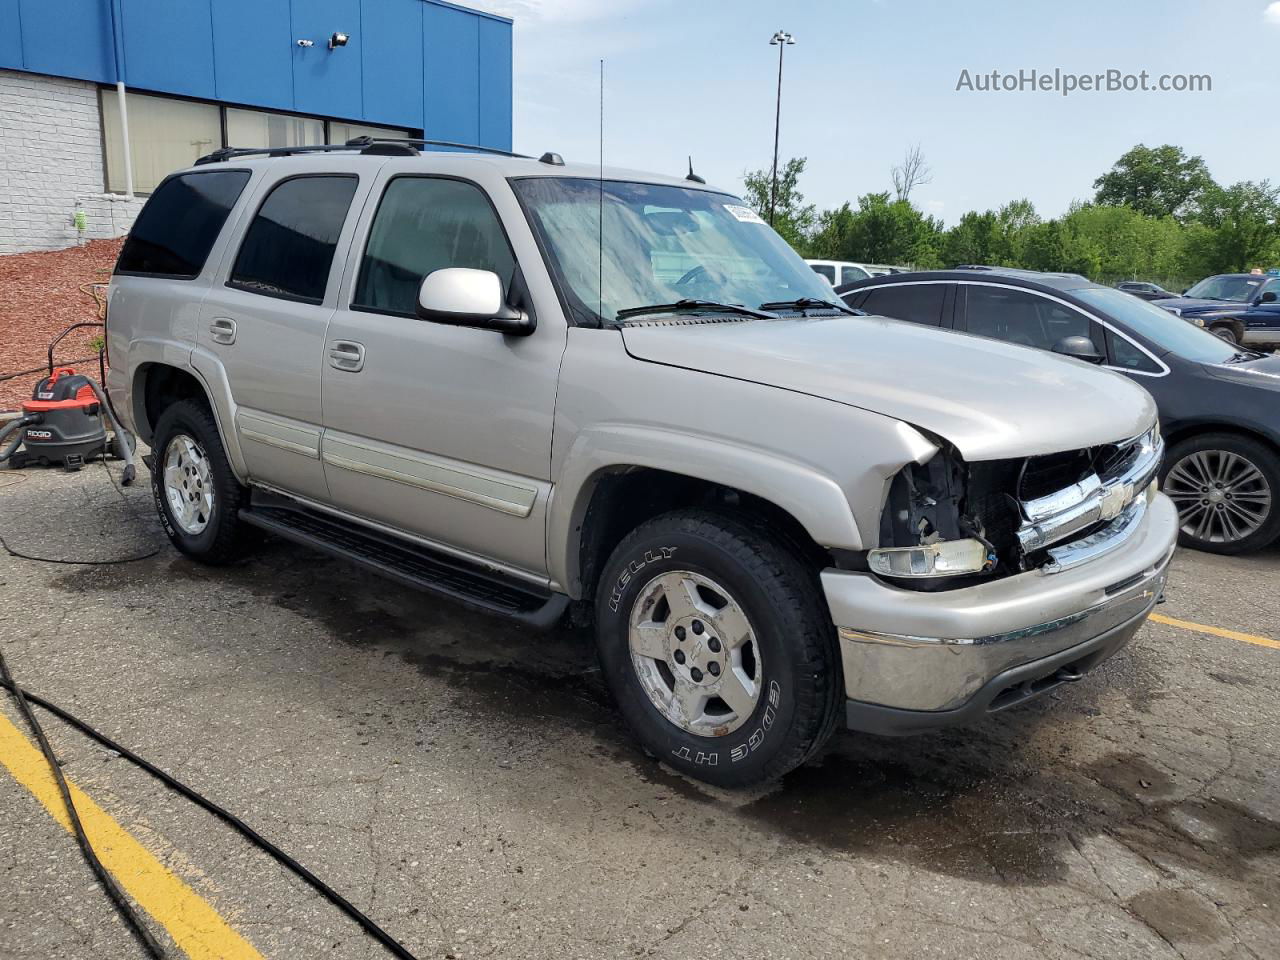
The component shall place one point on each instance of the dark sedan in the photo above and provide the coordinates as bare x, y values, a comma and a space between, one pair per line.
1219, 403
1240, 307
1144, 290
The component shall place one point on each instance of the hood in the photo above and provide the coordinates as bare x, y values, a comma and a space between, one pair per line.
990, 399
1263, 373
1193, 306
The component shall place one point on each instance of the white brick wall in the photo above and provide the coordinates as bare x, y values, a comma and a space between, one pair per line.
51, 162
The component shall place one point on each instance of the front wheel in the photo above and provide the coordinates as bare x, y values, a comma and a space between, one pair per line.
718, 648
1225, 488
1226, 332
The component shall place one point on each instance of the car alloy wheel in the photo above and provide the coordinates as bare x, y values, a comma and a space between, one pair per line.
1221, 496
1225, 333
188, 484
695, 653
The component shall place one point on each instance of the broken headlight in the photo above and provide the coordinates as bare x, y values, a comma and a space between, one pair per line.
933, 528
943, 558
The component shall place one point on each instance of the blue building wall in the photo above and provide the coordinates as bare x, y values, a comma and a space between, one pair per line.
423, 64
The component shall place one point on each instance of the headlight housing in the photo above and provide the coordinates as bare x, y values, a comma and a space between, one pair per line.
945, 558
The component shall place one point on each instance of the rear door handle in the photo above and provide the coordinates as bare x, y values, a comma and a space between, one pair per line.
223, 330
346, 355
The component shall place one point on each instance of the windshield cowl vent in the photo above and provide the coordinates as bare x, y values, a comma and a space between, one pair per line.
687, 321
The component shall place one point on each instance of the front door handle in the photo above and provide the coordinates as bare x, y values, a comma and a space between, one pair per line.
223, 330
346, 355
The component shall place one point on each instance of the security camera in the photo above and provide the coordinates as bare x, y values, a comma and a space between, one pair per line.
338, 39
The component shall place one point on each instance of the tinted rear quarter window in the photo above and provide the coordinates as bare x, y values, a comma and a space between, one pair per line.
916, 302
177, 228
288, 248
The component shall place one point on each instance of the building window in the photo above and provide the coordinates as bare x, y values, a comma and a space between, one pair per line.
165, 135
255, 128
340, 132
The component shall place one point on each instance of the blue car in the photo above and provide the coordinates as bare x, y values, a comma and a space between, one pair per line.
1238, 307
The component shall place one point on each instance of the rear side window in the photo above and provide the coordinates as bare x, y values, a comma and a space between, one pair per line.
917, 302
177, 228
288, 248
424, 224
852, 274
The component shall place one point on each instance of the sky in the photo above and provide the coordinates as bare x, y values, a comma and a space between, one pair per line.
866, 79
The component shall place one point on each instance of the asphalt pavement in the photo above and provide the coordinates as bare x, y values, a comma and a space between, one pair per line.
467, 783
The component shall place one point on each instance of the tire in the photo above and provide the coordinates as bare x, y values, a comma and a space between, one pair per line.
213, 532
1227, 332
1249, 474
763, 591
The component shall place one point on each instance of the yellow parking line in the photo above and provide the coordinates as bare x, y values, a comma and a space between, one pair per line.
194, 925
1218, 631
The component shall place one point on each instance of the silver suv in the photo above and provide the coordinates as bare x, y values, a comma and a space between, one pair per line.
529, 386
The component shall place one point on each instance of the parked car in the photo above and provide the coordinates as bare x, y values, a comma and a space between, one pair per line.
1219, 404
778, 515
1144, 290
836, 272
1238, 307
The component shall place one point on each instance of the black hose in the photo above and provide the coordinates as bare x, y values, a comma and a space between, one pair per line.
122, 904
246, 831
15, 427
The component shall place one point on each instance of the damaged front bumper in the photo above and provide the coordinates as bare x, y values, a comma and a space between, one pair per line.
915, 661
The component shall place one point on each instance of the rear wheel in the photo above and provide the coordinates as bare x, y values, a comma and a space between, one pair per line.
718, 648
1227, 491
197, 496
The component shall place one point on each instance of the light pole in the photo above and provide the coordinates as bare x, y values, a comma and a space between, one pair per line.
779, 40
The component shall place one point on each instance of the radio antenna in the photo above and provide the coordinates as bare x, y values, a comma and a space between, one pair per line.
600, 210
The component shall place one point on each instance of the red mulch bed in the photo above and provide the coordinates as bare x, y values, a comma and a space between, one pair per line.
42, 297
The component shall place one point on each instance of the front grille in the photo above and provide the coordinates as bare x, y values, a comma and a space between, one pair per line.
1045, 475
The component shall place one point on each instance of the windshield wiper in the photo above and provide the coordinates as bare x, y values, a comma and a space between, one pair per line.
810, 303
1240, 356
694, 306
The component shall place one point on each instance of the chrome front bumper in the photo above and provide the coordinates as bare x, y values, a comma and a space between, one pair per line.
916, 660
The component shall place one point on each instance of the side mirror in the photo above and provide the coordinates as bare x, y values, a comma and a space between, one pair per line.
1082, 348
465, 297
1268, 297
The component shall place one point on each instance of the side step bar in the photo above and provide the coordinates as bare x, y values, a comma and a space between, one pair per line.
407, 562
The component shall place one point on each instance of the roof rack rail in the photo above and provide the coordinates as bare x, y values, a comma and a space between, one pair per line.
367, 141
382, 146
223, 154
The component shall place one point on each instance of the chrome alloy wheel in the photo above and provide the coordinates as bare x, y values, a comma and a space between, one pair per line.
695, 653
188, 484
1221, 496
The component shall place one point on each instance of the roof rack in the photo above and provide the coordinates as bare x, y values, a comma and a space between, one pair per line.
382, 146
416, 142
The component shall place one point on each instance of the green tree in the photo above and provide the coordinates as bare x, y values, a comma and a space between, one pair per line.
975, 239
1156, 181
880, 230
1242, 220
792, 217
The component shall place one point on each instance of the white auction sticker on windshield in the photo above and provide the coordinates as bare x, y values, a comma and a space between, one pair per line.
744, 214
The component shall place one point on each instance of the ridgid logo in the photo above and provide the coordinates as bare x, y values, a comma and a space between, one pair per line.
1065, 83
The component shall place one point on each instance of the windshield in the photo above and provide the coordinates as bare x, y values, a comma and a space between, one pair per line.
1162, 328
661, 244
1235, 289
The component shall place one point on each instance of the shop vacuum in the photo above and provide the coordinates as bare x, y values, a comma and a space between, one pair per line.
65, 421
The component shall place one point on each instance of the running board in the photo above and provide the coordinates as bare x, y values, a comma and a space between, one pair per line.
409, 563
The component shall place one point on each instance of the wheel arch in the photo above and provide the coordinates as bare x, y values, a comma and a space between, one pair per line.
616, 499
158, 384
